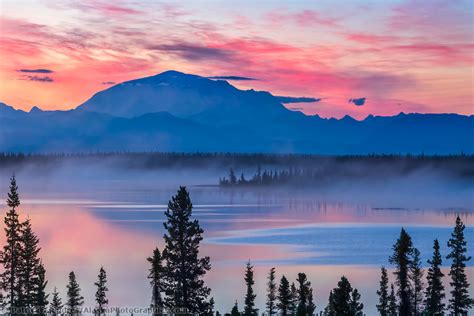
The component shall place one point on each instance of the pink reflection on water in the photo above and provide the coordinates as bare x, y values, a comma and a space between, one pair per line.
72, 237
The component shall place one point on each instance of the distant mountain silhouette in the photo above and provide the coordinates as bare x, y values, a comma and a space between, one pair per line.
185, 96
173, 111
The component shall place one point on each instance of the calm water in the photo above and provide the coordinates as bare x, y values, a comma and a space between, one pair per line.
117, 221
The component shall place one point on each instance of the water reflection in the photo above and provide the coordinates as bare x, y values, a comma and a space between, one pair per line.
321, 235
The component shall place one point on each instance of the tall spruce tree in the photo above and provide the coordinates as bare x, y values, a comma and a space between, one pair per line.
271, 293
382, 292
56, 306
155, 275
74, 298
392, 302
249, 308
40, 295
28, 266
402, 258
460, 302
284, 297
416, 276
434, 293
101, 293
184, 285
10, 256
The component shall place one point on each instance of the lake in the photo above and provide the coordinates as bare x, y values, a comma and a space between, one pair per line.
87, 217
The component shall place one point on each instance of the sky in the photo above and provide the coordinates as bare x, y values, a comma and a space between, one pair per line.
401, 56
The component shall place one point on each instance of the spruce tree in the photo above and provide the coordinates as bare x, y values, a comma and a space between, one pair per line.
184, 285
416, 276
101, 293
392, 302
249, 309
284, 297
40, 296
460, 302
271, 293
10, 256
155, 275
74, 299
402, 259
235, 310
382, 292
434, 293
56, 305
345, 300
342, 296
28, 266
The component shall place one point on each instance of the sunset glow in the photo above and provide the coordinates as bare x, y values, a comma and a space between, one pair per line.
399, 55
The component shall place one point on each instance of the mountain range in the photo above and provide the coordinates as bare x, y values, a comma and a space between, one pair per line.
173, 111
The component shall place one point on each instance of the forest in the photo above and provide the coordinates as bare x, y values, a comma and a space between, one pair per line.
261, 169
176, 277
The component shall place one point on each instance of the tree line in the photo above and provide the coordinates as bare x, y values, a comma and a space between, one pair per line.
273, 177
416, 295
176, 277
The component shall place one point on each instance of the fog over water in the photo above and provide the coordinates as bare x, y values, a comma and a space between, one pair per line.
101, 212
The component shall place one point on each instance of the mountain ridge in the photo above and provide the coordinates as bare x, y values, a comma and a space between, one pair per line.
173, 111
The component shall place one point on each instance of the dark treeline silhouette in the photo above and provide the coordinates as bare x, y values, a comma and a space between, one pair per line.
176, 276
350, 165
413, 295
273, 177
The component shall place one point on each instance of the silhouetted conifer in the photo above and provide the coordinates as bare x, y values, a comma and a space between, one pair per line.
271, 293
74, 299
305, 300
11, 254
284, 297
155, 275
235, 310
184, 286
344, 300
249, 308
101, 293
56, 305
382, 292
28, 266
232, 177
402, 259
460, 302
434, 293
